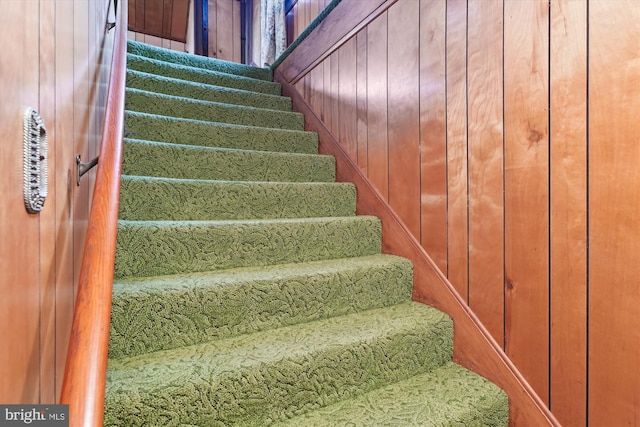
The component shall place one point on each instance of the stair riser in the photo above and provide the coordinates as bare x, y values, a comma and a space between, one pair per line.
210, 307
206, 134
175, 161
169, 86
153, 249
165, 105
174, 200
198, 61
167, 69
259, 395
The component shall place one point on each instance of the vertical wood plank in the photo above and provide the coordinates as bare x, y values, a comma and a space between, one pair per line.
334, 95
361, 98
167, 15
316, 83
139, 14
347, 113
236, 31
296, 20
180, 18
568, 167
326, 98
485, 168
433, 131
224, 30
404, 112
48, 216
377, 137
314, 9
457, 260
19, 246
81, 125
64, 159
212, 34
614, 209
527, 190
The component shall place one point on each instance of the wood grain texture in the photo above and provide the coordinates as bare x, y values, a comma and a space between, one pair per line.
347, 100
65, 165
526, 190
377, 111
84, 382
165, 19
485, 164
474, 347
19, 247
457, 185
404, 112
47, 108
212, 33
568, 168
433, 130
224, 30
236, 32
344, 21
316, 89
614, 208
361, 99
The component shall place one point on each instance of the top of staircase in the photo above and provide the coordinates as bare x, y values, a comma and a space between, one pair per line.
191, 60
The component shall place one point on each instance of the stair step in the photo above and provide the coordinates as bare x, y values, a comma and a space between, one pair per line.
279, 373
447, 396
192, 132
172, 311
148, 199
155, 248
161, 159
194, 74
205, 92
175, 106
198, 61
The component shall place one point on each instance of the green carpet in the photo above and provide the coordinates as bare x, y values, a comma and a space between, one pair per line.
247, 290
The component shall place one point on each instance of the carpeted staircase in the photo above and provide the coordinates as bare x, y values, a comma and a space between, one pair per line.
247, 291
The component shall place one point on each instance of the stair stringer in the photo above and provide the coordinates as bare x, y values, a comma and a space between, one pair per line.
474, 347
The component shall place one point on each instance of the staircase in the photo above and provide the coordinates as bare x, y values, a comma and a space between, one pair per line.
247, 290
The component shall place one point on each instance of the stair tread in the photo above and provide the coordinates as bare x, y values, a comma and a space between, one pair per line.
277, 373
186, 88
161, 159
216, 112
200, 75
447, 396
153, 127
171, 311
151, 198
151, 248
198, 61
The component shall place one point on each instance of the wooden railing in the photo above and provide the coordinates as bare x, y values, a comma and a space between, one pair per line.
83, 387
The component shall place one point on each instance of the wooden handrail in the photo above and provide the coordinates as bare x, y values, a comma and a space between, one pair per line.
83, 387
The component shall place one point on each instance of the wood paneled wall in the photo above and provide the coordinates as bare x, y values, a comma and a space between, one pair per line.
56, 58
224, 30
165, 19
506, 135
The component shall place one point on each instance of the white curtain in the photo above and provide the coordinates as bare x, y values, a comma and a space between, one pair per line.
273, 29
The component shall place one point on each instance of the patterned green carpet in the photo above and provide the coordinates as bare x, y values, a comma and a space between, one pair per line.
247, 290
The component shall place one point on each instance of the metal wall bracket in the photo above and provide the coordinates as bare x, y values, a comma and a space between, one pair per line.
35, 166
84, 167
